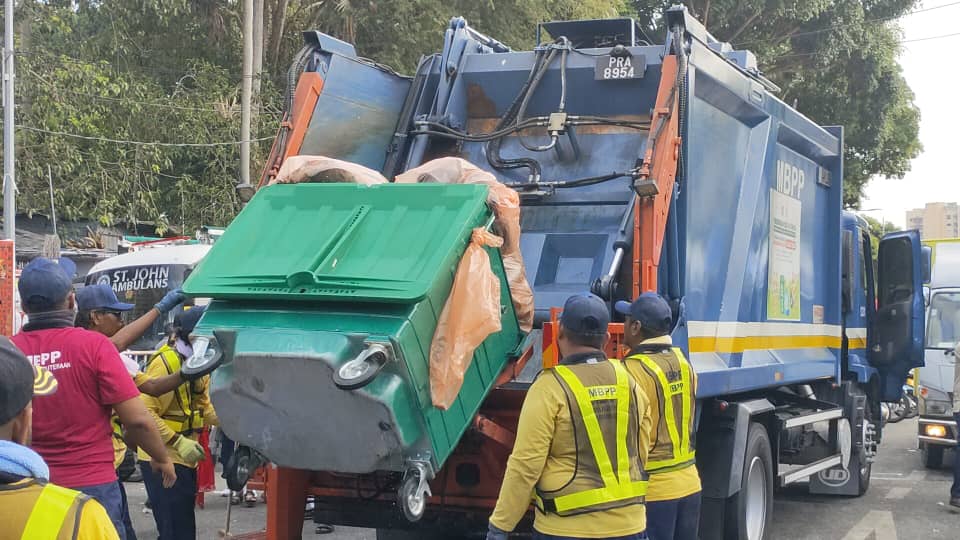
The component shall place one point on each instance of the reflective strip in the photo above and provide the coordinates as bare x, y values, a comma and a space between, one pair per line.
598, 496
189, 420
49, 512
616, 488
592, 425
679, 442
737, 337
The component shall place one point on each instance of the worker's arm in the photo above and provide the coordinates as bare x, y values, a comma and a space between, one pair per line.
534, 436
130, 333
201, 402
94, 523
141, 429
158, 386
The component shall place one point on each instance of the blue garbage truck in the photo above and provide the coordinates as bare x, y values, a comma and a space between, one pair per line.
640, 166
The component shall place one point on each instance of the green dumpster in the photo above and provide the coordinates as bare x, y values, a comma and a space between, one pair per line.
325, 301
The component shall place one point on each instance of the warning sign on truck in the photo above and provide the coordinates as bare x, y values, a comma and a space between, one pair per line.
783, 285
137, 278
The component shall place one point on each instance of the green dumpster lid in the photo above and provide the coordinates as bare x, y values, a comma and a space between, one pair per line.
341, 242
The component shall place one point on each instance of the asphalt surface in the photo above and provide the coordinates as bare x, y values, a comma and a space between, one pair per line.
905, 502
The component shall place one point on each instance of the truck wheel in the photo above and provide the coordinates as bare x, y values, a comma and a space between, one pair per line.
932, 456
749, 511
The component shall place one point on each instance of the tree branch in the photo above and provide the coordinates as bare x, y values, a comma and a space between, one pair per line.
743, 27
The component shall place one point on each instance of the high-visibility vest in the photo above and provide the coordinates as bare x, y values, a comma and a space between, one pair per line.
605, 405
675, 436
181, 418
54, 511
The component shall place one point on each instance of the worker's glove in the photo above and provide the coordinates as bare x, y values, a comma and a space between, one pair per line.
170, 300
493, 533
190, 450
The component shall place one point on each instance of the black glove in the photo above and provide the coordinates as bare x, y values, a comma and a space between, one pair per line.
493, 533
170, 300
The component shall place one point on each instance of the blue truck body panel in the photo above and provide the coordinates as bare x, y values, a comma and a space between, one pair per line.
753, 245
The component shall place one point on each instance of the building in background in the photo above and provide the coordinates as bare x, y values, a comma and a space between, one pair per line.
935, 220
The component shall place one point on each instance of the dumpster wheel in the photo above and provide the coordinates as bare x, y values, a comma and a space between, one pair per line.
413, 493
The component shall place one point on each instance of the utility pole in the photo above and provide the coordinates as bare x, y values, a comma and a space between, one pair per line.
257, 49
246, 89
9, 179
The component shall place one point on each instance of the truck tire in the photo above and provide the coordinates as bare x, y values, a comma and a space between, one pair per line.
749, 511
932, 455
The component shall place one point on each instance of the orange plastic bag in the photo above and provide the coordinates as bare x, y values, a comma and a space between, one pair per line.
299, 169
505, 204
472, 313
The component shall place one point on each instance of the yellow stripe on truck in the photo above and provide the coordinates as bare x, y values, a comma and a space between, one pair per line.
747, 343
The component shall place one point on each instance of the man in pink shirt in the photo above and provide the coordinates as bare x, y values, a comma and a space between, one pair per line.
71, 429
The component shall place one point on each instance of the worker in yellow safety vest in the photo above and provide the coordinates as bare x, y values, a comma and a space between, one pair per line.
184, 412
582, 441
665, 376
31, 508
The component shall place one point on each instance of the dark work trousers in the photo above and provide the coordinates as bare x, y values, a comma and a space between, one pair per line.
127, 524
955, 488
173, 507
540, 536
108, 495
677, 519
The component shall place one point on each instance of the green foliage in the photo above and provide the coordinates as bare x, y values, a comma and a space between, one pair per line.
169, 71
836, 62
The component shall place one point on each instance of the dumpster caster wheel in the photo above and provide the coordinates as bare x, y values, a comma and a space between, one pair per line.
412, 496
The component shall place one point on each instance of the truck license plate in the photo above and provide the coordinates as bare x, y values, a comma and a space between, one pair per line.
620, 67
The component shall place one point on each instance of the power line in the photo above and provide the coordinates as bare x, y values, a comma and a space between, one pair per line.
822, 53
839, 26
138, 143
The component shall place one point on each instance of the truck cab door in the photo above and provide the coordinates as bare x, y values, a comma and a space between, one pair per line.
897, 337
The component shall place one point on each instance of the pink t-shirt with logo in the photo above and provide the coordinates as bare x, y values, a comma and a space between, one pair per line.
71, 428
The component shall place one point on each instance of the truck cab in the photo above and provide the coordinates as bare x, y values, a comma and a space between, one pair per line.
937, 429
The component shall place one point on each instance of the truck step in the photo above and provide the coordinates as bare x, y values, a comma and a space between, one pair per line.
806, 471
812, 418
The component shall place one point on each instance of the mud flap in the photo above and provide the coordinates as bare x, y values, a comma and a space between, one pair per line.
847, 481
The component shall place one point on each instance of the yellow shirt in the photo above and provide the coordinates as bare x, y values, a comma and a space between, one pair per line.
168, 402
120, 447
665, 486
16, 503
544, 454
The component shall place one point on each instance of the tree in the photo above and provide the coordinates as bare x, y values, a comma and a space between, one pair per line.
836, 62
91, 74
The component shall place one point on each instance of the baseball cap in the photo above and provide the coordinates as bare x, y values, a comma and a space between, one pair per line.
650, 310
20, 381
186, 321
100, 297
585, 314
43, 284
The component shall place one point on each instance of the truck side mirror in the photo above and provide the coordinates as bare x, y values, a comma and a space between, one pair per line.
926, 257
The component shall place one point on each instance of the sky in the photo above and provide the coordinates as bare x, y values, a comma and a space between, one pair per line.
932, 69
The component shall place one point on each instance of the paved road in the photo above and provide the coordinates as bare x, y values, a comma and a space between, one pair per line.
905, 502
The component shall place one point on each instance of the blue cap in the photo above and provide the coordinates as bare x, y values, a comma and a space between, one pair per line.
650, 310
68, 266
585, 314
43, 284
187, 320
100, 297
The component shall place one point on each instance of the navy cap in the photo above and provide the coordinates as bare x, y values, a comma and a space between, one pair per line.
100, 297
585, 314
650, 310
20, 381
43, 284
186, 321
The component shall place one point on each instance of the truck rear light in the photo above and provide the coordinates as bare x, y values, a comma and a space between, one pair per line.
935, 430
